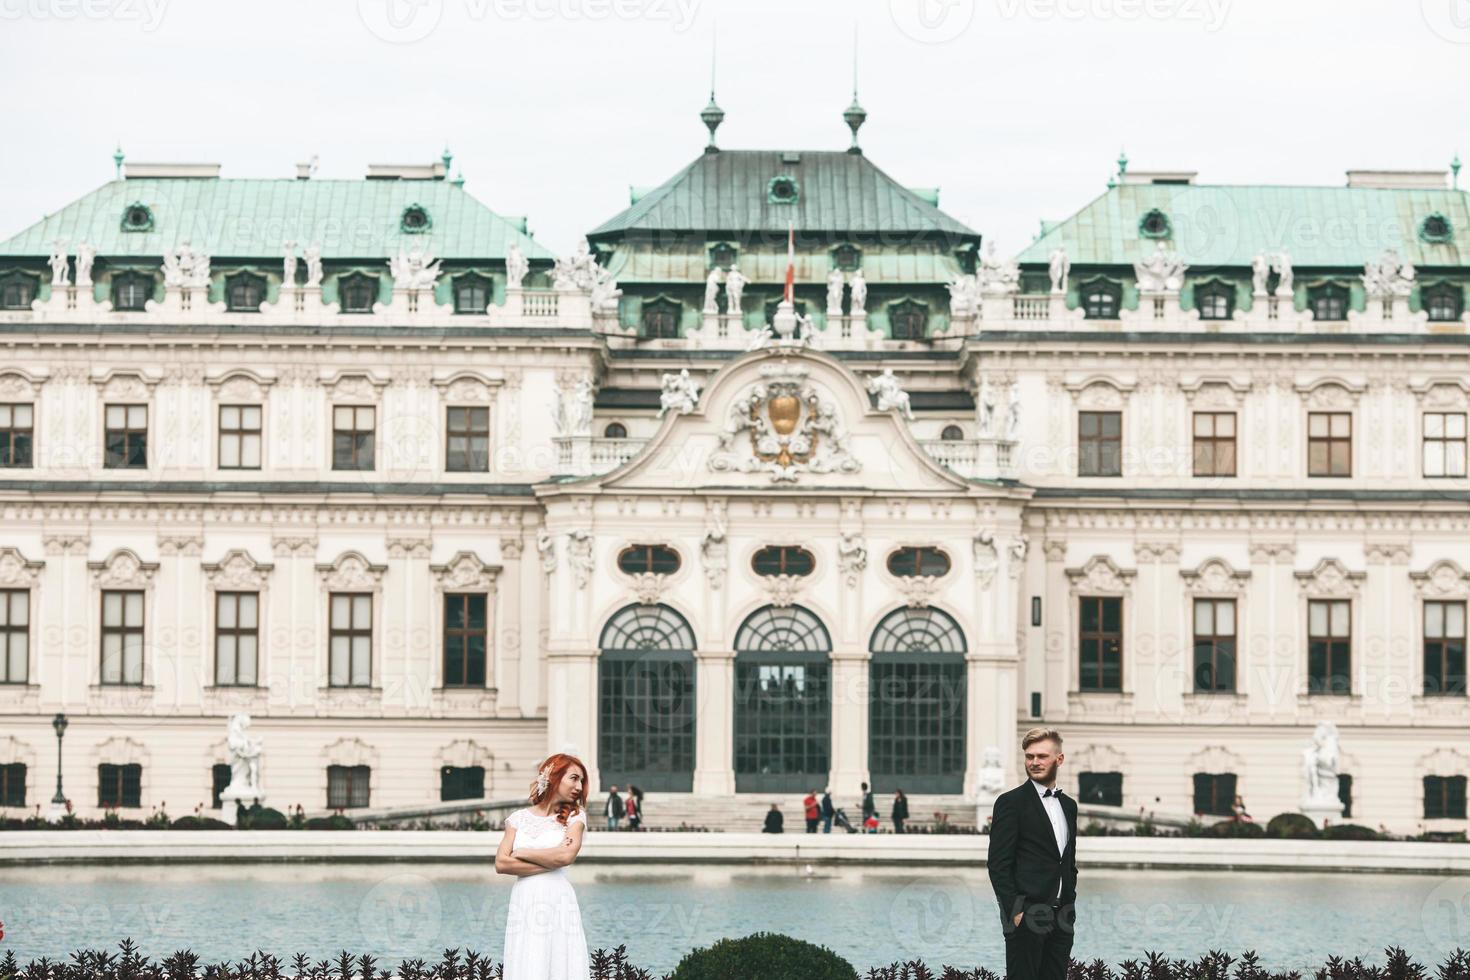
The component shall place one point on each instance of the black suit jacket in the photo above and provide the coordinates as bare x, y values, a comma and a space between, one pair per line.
1024, 865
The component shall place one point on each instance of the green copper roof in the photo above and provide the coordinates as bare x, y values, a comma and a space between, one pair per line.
252, 218
731, 191
1220, 225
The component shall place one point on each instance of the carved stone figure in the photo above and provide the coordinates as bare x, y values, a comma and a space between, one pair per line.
793, 428
964, 296
714, 550
1320, 762
415, 270
835, 283
985, 405
59, 267
605, 291
712, 290
86, 255
998, 276
244, 759
1059, 265
313, 257
680, 394
890, 393
185, 268
1013, 413
1282, 265
858, 304
852, 556
992, 776
516, 266
987, 558
1017, 550
1388, 277
576, 271
546, 548
1161, 272
574, 408
1260, 270
288, 266
734, 290
579, 556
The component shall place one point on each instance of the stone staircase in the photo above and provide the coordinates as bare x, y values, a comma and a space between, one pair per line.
746, 812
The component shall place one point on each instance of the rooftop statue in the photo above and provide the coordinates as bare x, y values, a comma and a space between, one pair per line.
185, 268
998, 276
605, 291
288, 266
58, 262
86, 255
1059, 266
1260, 272
1282, 267
516, 266
712, 290
1161, 272
859, 285
576, 271
964, 298
835, 283
415, 270
1388, 277
891, 396
313, 257
680, 394
734, 290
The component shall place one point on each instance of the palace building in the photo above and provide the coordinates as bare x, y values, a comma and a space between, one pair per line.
1185, 478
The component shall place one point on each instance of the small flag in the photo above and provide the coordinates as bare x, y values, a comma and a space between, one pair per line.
791, 264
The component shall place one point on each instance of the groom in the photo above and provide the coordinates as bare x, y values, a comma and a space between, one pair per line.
1033, 864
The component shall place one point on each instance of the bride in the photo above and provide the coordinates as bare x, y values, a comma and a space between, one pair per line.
543, 929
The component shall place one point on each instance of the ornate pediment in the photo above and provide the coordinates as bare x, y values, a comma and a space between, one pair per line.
240, 385
125, 386
123, 569
237, 570
1330, 579
784, 425
1101, 576
349, 752
351, 572
17, 571
468, 388
1215, 758
465, 572
1443, 580
918, 590
1214, 576
1330, 394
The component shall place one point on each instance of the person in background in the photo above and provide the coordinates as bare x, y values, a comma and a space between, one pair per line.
774, 821
870, 825
633, 808
613, 808
1238, 809
870, 809
813, 812
900, 810
828, 811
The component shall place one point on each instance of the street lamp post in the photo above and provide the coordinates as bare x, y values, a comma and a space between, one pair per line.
58, 802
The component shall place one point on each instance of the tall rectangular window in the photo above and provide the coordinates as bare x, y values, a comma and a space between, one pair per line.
1214, 793
1100, 788
17, 436
1444, 797
347, 786
119, 785
1100, 643
1444, 443
1214, 645
13, 784
465, 638
126, 442
461, 783
1444, 648
352, 437
239, 437
1329, 646
122, 637
220, 775
1329, 444
1099, 443
1214, 443
468, 449
351, 636
15, 636
236, 638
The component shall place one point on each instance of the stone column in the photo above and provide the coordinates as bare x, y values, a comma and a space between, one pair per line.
1384, 670
1160, 675
1274, 675
851, 697
714, 722
1059, 616
571, 716
62, 668
182, 662
409, 609
508, 614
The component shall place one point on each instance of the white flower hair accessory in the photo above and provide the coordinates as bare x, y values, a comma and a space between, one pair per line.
543, 779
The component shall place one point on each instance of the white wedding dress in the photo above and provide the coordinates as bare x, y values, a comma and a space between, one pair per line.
543, 929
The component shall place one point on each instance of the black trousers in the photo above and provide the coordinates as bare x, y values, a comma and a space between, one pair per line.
1041, 946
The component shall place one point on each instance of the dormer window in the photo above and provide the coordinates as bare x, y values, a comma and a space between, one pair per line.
414, 220
918, 563
722, 255
1101, 300
1214, 300
1444, 302
1154, 224
244, 292
1329, 302
471, 294
17, 291
782, 190
846, 257
908, 320
358, 293
131, 291
137, 217
1436, 229
661, 319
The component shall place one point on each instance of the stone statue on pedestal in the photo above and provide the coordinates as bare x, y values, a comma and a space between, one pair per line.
712, 291
86, 254
313, 256
244, 769
859, 302
835, 282
1320, 764
516, 266
734, 290
1059, 266
680, 394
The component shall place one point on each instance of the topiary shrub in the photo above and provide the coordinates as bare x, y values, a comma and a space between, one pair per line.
763, 956
260, 817
1350, 831
1291, 825
1234, 828
192, 822
335, 822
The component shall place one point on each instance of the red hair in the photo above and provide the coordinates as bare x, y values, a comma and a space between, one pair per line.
556, 768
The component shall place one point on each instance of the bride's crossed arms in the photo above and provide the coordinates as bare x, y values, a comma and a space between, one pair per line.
538, 860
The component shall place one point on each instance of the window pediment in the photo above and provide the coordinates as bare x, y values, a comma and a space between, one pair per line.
1444, 579
1215, 576
1100, 575
1330, 579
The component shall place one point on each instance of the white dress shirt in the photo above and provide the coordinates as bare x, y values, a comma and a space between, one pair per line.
1053, 807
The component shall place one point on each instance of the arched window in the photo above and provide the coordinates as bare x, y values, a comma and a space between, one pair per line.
471, 294
1101, 300
918, 562
645, 714
952, 433
244, 292
908, 320
615, 430
661, 319
639, 559
17, 291
783, 701
1328, 302
131, 291
782, 559
1444, 302
1214, 300
357, 293
917, 698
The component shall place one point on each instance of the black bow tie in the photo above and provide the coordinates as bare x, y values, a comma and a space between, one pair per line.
1052, 792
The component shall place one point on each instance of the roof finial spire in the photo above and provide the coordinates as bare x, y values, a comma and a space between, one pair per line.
855, 115
447, 158
712, 115
1122, 162
1455, 171
117, 160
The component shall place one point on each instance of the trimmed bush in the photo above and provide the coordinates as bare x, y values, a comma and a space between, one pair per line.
1291, 825
763, 956
260, 817
1350, 831
335, 822
192, 822
1234, 828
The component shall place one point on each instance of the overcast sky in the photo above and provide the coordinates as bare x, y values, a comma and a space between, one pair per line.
1016, 109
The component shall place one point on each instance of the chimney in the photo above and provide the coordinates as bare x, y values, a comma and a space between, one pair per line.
196, 171
1180, 177
1399, 180
407, 171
